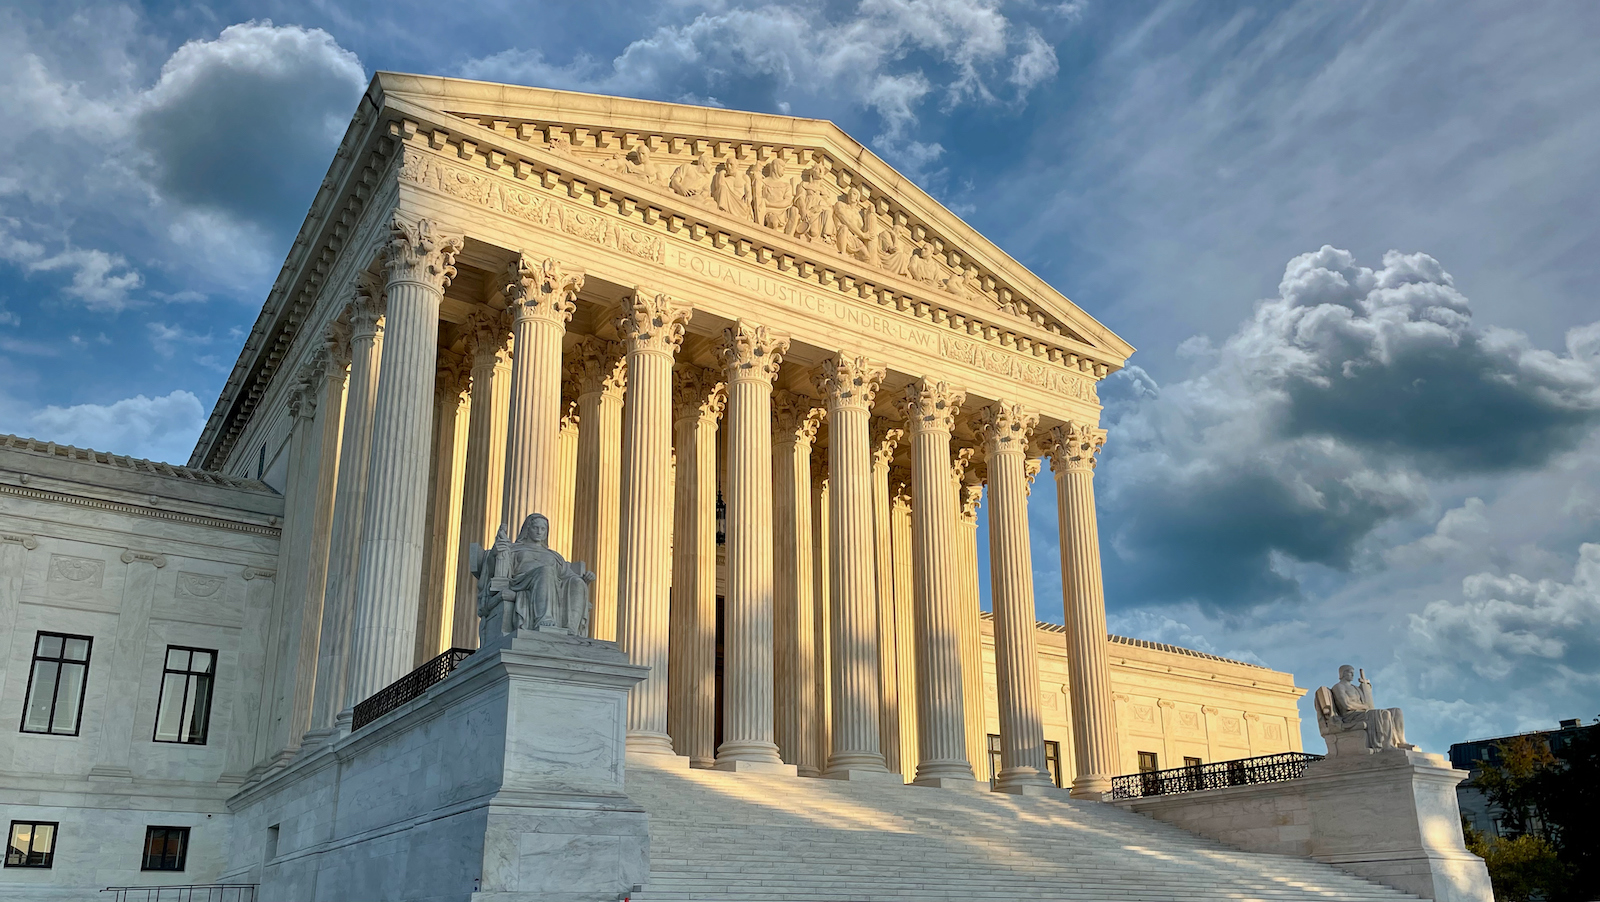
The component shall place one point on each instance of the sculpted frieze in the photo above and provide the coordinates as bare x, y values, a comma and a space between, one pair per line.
529, 205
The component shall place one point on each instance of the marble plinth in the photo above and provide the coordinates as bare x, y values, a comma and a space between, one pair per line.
504, 782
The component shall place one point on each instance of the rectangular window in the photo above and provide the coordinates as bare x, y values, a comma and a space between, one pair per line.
184, 711
165, 848
55, 684
1148, 762
32, 844
1052, 760
1190, 762
994, 758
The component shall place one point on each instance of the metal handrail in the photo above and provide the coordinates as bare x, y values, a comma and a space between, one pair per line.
197, 892
1216, 775
408, 687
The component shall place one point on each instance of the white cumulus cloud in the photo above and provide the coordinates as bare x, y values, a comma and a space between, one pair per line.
160, 428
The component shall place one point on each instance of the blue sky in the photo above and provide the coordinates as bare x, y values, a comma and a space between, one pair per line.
1354, 242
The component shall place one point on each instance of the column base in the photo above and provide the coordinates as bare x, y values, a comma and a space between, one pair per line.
656, 760
965, 783
643, 742
857, 775
944, 770
1027, 781
866, 761
702, 763
806, 770
742, 766
752, 751
1091, 786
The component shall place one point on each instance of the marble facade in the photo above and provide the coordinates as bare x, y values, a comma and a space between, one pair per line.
616, 313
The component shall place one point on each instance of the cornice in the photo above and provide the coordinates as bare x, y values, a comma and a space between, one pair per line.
37, 494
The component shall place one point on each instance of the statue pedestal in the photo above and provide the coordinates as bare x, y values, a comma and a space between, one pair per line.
1391, 816
502, 783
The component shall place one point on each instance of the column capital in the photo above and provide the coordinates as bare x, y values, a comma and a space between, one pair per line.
420, 252
1074, 447
931, 405
1005, 428
449, 381
303, 396
1030, 470
961, 463
884, 439
900, 489
367, 308
970, 497
795, 417
144, 557
544, 291
653, 323
598, 365
697, 394
751, 353
849, 383
488, 335
336, 349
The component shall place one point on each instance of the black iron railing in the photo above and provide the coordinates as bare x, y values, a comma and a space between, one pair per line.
1216, 775
408, 687
200, 892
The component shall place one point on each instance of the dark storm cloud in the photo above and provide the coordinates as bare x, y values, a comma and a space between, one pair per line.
243, 125
1321, 418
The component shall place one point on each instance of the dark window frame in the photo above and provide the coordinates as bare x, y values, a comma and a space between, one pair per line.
211, 686
993, 748
1052, 761
59, 661
179, 860
49, 858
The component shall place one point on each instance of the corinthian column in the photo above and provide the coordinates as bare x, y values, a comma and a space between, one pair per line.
930, 409
653, 326
795, 422
904, 623
1005, 430
884, 442
601, 372
821, 588
541, 303
697, 400
436, 610
488, 333
420, 263
750, 359
849, 385
349, 508
1073, 448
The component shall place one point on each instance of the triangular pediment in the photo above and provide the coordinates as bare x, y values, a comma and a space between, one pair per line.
788, 183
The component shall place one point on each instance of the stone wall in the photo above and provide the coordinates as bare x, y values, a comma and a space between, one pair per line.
136, 556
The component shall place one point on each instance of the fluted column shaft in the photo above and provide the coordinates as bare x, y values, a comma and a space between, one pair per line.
849, 385
561, 525
541, 303
602, 376
483, 478
653, 327
821, 589
884, 442
973, 693
905, 631
1006, 429
1072, 458
419, 265
794, 609
436, 610
750, 359
930, 409
698, 401
349, 509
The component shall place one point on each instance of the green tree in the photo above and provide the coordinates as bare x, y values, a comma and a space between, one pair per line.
1566, 795
1510, 782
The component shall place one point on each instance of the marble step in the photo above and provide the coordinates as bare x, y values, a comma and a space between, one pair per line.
719, 837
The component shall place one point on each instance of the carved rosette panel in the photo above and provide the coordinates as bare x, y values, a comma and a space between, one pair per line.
419, 252
1005, 427
198, 585
546, 291
931, 405
751, 353
795, 417
65, 568
488, 336
654, 323
850, 382
697, 394
1074, 446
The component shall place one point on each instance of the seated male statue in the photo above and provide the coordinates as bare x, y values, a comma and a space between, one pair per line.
526, 585
1351, 723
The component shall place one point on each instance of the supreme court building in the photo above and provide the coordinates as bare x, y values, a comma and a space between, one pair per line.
761, 385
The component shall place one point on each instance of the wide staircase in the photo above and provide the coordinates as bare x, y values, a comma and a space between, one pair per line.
747, 837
